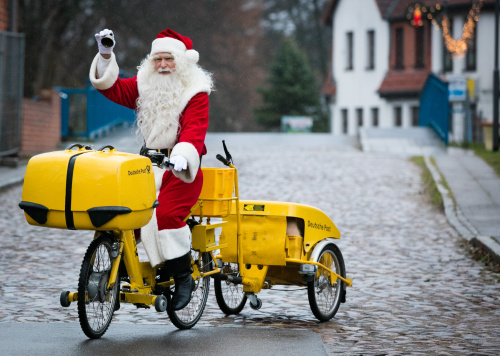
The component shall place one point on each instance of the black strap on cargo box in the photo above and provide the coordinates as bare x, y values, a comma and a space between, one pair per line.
70, 224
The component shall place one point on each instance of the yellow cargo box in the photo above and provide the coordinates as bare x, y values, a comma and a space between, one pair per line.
218, 187
87, 189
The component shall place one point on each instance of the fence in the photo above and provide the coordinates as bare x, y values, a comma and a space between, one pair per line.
11, 91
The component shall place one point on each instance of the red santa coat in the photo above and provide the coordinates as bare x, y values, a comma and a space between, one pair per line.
193, 119
194, 125
177, 191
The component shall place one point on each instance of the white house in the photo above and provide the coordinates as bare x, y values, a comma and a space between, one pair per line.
380, 62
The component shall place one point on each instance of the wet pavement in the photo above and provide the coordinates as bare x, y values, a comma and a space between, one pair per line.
415, 289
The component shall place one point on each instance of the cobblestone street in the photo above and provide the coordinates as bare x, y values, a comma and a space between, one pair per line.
415, 288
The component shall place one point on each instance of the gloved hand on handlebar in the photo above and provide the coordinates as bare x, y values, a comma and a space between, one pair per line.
179, 162
109, 41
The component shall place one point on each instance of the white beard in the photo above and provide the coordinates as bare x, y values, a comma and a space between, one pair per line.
159, 106
163, 97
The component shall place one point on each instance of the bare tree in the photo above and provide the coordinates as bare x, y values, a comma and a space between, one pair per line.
236, 39
60, 45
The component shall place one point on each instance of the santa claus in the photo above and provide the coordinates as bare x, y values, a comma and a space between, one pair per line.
170, 95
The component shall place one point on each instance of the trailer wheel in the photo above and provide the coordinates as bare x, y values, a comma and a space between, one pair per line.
230, 297
325, 297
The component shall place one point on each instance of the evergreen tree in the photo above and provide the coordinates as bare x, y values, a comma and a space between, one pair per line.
292, 88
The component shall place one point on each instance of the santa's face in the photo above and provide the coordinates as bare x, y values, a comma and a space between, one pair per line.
164, 63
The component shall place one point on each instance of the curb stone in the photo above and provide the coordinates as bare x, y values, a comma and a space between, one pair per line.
489, 244
457, 219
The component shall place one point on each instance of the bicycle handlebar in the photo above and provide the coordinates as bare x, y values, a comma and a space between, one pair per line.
156, 157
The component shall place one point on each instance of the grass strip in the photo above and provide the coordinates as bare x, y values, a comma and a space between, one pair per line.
429, 184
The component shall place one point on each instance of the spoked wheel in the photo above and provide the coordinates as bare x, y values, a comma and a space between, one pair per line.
325, 297
96, 303
230, 296
187, 318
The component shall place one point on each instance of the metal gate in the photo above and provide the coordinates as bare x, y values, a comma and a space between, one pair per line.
11, 91
434, 107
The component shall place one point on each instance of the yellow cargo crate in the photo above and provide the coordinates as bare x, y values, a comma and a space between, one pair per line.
86, 189
217, 191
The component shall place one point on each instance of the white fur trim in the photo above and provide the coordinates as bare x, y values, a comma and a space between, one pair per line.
167, 44
174, 243
193, 56
109, 77
158, 172
149, 238
188, 151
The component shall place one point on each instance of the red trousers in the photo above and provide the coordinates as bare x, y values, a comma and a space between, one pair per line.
176, 199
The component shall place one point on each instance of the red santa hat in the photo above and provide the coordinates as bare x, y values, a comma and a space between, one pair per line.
170, 41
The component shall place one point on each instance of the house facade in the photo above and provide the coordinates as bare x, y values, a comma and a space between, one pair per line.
380, 63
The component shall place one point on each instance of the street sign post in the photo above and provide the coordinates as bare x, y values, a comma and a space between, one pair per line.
457, 88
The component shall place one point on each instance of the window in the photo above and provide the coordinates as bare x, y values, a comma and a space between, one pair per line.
350, 51
470, 56
419, 47
414, 115
345, 122
359, 114
371, 49
398, 118
447, 58
399, 48
375, 117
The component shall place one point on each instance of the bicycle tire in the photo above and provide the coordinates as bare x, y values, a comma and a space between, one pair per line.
187, 317
230, 297
325, 298
96, 305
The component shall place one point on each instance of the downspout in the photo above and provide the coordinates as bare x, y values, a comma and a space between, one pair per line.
12, 16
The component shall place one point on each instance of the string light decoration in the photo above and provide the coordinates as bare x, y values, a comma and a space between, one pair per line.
417, 13
458, 47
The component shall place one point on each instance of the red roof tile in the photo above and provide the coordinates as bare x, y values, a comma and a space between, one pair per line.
403, 83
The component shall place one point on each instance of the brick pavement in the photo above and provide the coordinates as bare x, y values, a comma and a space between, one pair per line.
415, 289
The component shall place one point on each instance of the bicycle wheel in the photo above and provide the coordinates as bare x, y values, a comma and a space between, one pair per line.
96, 304
230, 297
187, 317
325, 298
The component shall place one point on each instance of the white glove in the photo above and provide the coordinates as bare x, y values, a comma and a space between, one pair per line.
108, 37
179, 162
